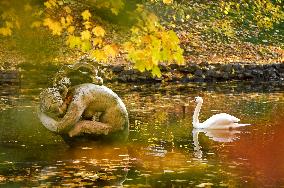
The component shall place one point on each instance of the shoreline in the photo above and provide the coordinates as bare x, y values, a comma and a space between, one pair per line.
188, 73
203, 72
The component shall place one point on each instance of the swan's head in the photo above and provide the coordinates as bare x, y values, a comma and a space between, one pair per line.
198, 100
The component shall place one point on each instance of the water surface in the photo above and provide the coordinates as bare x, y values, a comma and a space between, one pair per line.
162, 150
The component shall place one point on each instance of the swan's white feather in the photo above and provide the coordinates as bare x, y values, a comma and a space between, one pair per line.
221, 121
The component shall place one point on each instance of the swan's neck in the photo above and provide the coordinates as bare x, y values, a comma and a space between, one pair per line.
195, 120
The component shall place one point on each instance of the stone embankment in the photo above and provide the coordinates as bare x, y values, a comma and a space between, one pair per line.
203, 73
190, 72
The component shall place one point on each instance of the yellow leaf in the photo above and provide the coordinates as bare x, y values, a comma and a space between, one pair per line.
178, 57
6, 31
63, 21
54, 26
167, 1
69, 19
140, 66
87, 24
111, 50
99, 55
50, 3
53, 2
86, 46
85, 35
71, 29
152, 17
140, 8
149, 65
60, 3
47, 4
146, 39
73, 41
156, 71
114, 10
99, 31
86, 15
47, 21
56, 29
9, 24
66, 21
67, 9
128, 46
97, 41
134, 30
36, 24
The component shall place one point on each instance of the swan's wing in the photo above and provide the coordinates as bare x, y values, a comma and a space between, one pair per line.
229, 117
221, 121
240, 125
234, 121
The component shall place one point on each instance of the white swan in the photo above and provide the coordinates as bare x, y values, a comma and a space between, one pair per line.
217, 121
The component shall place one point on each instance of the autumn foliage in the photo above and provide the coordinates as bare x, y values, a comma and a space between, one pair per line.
149, 42
145, 33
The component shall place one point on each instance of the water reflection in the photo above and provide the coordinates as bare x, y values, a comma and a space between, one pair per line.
99, 165
213, 134
263, 152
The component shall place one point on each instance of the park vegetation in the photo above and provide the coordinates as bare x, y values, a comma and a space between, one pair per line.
143, 32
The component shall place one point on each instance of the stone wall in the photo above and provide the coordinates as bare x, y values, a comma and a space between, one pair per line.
174, 73
202, 73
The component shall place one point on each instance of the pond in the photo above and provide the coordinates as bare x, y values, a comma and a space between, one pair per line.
163, 150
